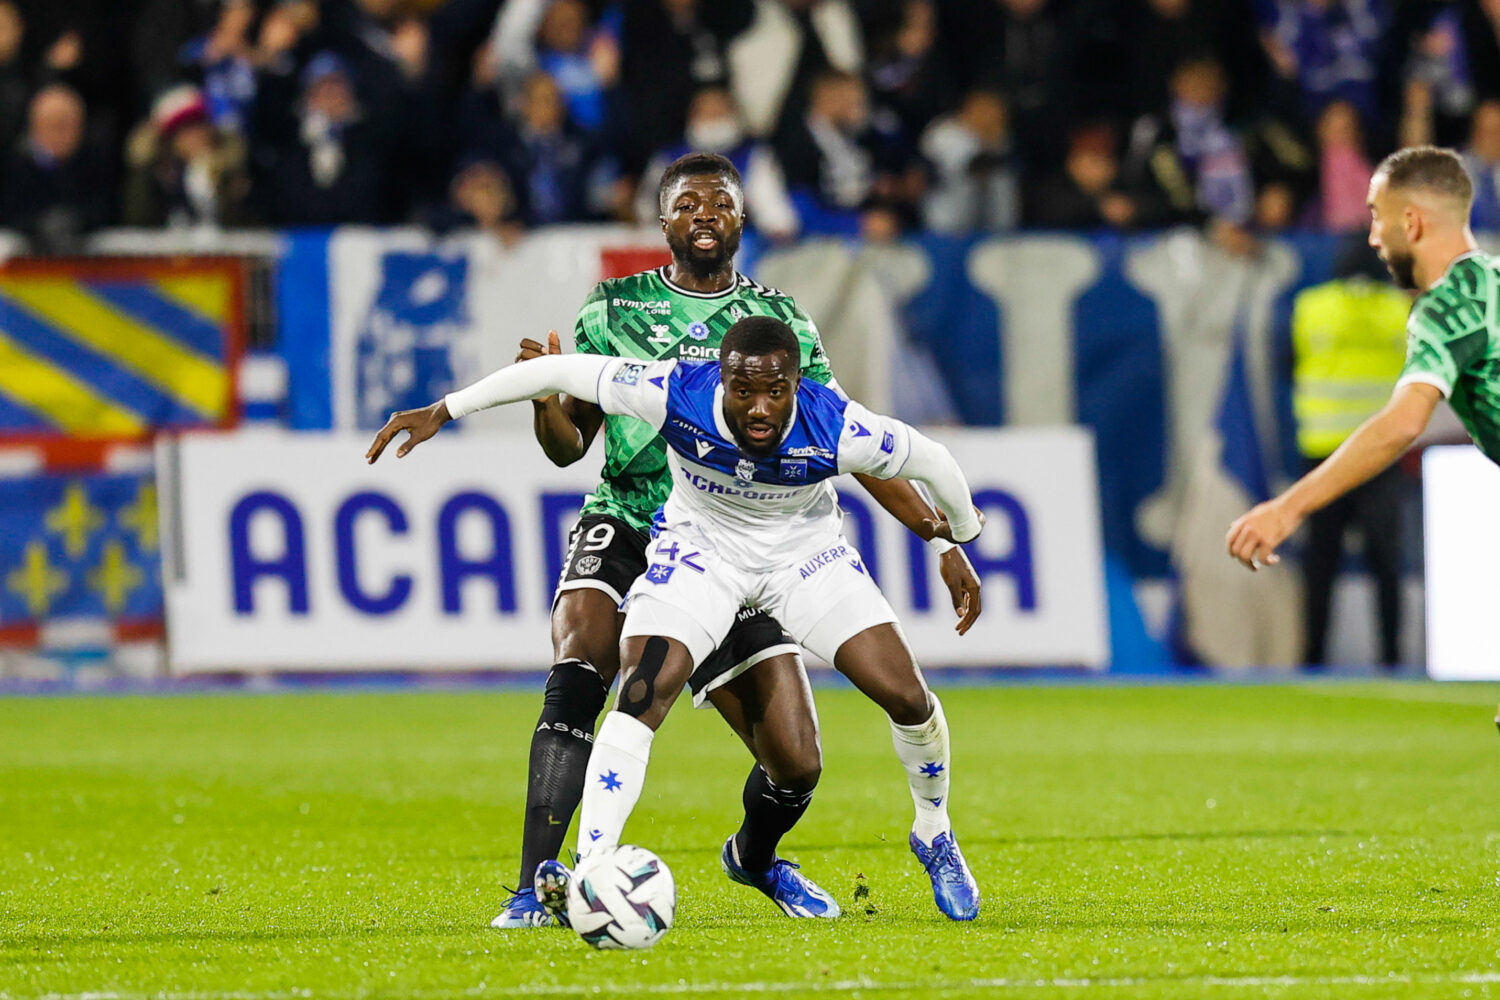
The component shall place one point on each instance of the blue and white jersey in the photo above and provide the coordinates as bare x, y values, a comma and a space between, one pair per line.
762, 513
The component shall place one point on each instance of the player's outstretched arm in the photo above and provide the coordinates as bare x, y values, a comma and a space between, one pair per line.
576, 374
1379, 441
902, 501
565, 426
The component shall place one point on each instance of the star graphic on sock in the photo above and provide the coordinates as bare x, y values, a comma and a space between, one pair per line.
932, 769
611, 781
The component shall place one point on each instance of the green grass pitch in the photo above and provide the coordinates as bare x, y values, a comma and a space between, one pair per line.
1327, 840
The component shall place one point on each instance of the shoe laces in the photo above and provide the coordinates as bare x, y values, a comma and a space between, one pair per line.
516, 895
945, 862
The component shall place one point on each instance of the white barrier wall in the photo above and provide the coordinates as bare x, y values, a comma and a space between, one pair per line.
1461, 536
287, 552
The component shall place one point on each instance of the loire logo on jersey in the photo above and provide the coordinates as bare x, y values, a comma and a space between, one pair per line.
824, 558
698, 331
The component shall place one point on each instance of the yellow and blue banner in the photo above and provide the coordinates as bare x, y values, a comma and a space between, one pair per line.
118, 349
73, 547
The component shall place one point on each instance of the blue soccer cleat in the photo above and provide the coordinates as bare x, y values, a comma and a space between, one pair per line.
795, 893
953, 887
523, 910
551, 889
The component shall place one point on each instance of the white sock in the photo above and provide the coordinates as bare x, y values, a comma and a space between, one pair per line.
617, 767
923, 751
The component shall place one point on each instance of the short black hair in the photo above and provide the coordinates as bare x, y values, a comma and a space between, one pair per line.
697, 165
757, 336
1428, 167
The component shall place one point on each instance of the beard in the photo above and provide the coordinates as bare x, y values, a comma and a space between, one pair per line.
699, 263
1402, 265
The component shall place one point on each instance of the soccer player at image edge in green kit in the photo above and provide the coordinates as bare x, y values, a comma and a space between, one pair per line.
1420, 200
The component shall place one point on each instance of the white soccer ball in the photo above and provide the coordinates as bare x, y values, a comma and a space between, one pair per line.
622, 897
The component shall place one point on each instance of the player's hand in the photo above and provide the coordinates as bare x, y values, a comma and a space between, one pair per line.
531, 349
419, 425
942, 528
963, 587
1253, 538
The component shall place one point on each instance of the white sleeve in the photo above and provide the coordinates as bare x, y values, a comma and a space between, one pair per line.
884, 447
636, 389
575, 374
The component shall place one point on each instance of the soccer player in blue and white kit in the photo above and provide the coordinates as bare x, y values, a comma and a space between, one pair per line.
751, 521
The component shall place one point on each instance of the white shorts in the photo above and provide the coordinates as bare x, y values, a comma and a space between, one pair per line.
688, 593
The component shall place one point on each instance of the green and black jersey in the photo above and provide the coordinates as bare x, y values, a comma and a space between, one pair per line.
646, 316
1453, 343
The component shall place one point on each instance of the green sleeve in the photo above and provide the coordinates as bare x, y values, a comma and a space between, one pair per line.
815, 359
591, 330
1444, 336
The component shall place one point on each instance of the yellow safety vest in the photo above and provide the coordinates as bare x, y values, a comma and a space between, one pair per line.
1349, 343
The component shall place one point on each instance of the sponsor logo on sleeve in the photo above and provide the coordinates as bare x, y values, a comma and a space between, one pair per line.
888, 443
629, 374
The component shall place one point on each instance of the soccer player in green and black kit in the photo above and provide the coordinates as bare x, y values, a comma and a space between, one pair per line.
1420, 200
682, 311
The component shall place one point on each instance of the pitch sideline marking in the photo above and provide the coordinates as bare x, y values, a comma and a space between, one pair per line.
833, 986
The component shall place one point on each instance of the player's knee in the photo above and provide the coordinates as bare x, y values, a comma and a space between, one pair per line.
573, 699
638, 695
909, 707
803, 778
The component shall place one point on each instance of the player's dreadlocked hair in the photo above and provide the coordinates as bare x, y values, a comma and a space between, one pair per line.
696, 165
757, 336
1428, 167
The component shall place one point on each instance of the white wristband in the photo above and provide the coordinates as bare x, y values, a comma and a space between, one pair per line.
941, 545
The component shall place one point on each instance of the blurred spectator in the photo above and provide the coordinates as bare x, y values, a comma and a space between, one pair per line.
845, 176
224, 57
56, 188
1329, 48
1482, 158
561, 174
1275, 208
1344, 169
976, 184
714, 126
1480, 27
908, 74
78, 42
1029, 59
15, 88
1190, 152
1166, 32
333, 170
559, 38
788, 45
183, 170
481, 197
1088, 193
670, 50
1438, 83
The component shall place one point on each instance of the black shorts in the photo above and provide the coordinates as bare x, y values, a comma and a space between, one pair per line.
605, 553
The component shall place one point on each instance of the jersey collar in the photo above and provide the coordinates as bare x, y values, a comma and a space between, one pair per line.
722, 426
1452, 264
739, 279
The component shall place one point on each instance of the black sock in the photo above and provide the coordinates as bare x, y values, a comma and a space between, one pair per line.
560, 749
770, 812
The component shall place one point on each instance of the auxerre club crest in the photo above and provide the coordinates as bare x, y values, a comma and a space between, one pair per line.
744, 472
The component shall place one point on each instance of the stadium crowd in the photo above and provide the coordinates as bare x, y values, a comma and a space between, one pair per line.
874, 117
